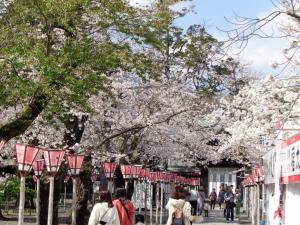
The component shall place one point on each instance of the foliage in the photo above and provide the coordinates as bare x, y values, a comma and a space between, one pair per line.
10, 189
257, 114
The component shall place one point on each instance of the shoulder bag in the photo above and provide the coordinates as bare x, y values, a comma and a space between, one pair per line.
101, 221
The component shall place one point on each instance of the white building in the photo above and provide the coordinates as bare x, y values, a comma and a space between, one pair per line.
221, 175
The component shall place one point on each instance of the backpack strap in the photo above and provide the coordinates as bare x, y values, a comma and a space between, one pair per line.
104, 214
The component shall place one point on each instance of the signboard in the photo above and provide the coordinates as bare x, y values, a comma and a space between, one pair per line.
181, 166
290, 161
269, 161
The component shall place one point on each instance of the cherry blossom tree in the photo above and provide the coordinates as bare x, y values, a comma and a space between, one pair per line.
252, 116
123, 81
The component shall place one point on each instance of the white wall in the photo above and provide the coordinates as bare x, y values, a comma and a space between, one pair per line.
269, 202
221, 175
292, 204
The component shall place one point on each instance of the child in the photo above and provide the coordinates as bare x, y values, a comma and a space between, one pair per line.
140, 219
205, 208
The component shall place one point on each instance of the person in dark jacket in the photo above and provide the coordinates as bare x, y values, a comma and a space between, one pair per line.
229, 200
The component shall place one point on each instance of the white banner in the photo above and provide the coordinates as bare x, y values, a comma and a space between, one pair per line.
269, 161
290, 151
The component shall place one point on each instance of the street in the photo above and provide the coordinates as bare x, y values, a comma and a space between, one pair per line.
214, 218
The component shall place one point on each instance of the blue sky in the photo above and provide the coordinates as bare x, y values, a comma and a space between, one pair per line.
213, 12
259, 54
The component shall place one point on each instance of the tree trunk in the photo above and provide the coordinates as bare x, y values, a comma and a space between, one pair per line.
76, 127
20, 124
83, 192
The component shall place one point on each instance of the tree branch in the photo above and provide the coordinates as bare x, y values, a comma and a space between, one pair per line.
141, 126
19, 125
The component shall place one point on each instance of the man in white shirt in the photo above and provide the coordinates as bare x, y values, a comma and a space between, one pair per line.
194, 195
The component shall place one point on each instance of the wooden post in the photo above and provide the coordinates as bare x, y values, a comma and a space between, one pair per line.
22, 201
38, 210
263, 201
74, 201
109, 186
65, 196
150, 197
145, 201
161, 202
245, 198
140, 197
157, 203
248, 201
50, 204
134, 191
258, 204
253, 205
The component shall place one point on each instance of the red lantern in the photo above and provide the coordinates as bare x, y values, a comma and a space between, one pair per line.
159, 176
147, 175
260, 172
179, 179
126, 171
171, 177
75, 163
251, 180
2, 143
38, 166
25, 157
195, 182
109, 169
153, 177
255, 175
142, 175
136, 171
53, 159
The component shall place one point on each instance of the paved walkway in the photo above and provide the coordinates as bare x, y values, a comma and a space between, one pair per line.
216, 217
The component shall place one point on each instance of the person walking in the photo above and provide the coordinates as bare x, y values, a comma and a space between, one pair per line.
201, 199
194, 195
221, 199
238, 203
124, 206
180, 209
213, 199
104, 212
229, 200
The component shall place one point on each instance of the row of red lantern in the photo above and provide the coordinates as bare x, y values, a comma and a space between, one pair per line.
137, 172
257, 176
27, 158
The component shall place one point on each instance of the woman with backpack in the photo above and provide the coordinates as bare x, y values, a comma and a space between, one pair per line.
180, 209
104, 212
124, 206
